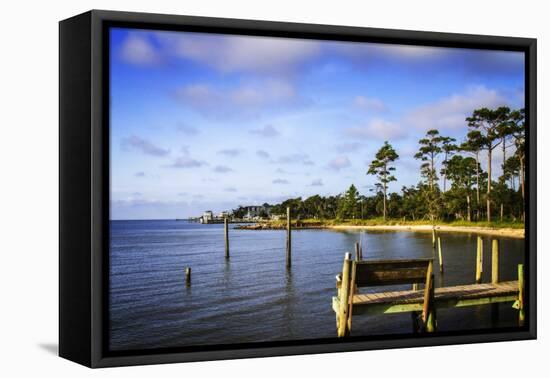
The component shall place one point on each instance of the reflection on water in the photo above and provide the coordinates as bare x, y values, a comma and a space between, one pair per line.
253, 297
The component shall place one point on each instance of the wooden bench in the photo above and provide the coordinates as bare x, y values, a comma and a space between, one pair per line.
421, 303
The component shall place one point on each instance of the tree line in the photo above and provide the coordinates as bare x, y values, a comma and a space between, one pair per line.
467, 191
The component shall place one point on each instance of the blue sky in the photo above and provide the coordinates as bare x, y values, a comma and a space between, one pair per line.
208, 122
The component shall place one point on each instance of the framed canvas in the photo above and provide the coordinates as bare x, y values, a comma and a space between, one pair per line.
235, 188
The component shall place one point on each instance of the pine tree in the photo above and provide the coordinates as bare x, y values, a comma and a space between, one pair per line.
382, 169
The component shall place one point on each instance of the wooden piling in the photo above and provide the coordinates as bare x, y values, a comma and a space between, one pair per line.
361, 247
440, 255
288, 239
226, 233
479, 259
494, 261
357, 252
433, 237
188, 275
521, 294
344, 297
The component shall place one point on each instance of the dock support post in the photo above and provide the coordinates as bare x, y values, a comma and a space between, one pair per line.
428, 311
479, 259
188, 276
440, 255
344, 297
521, 294
288, 239
226, 233
433, 237
494, 261
357, 252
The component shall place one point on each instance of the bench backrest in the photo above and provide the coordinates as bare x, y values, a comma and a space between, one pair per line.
390, 272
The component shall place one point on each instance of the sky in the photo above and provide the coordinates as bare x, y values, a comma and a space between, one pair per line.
209, 122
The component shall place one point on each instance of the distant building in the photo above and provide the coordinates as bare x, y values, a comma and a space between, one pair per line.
223, 214
256, 212
207, 217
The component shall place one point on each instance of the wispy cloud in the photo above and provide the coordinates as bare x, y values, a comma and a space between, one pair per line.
280, 181
230, 152
187, 162
339, 163
370, 104
188, 130
450, 112
350, 147
377, 129
263, 55
144, 146
295, 159
222, 169
247, 100
230, 189
137, 49
267, 131
139, 174
317, 182
263, 154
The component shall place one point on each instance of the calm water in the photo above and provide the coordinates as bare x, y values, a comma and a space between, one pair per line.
252, 297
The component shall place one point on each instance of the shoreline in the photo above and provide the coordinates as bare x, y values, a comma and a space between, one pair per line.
517, 233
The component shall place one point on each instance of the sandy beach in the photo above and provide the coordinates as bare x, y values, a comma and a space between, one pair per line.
505, 232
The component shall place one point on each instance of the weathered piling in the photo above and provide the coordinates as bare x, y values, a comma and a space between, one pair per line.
440, 255
494, 261
226, 233
344, 297
433, 237
521, 294
288, 239
357, 252
361, 247
188, 275
479, 259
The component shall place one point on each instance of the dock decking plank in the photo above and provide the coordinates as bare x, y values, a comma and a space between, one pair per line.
451, 296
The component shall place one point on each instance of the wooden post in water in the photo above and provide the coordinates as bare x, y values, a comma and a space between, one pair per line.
440, 255
361, 247
357, 252
479, 259
226, 233
288, 239
433, 237
521, 294
188, 276
344, 297
494, 261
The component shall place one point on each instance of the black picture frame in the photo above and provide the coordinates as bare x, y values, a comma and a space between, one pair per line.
84, 185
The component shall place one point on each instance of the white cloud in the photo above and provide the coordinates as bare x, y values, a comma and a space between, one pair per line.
377, 129
230, 152
295, 159
143, 145
450, 112
317, 182
339, 162
137, 49
369, 104
280, 181
267, 131
349, 147
222, 169
244, 100
240, 53
263, 154
187, 162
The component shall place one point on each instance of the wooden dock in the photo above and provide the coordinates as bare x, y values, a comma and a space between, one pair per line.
421, 303
444, 297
